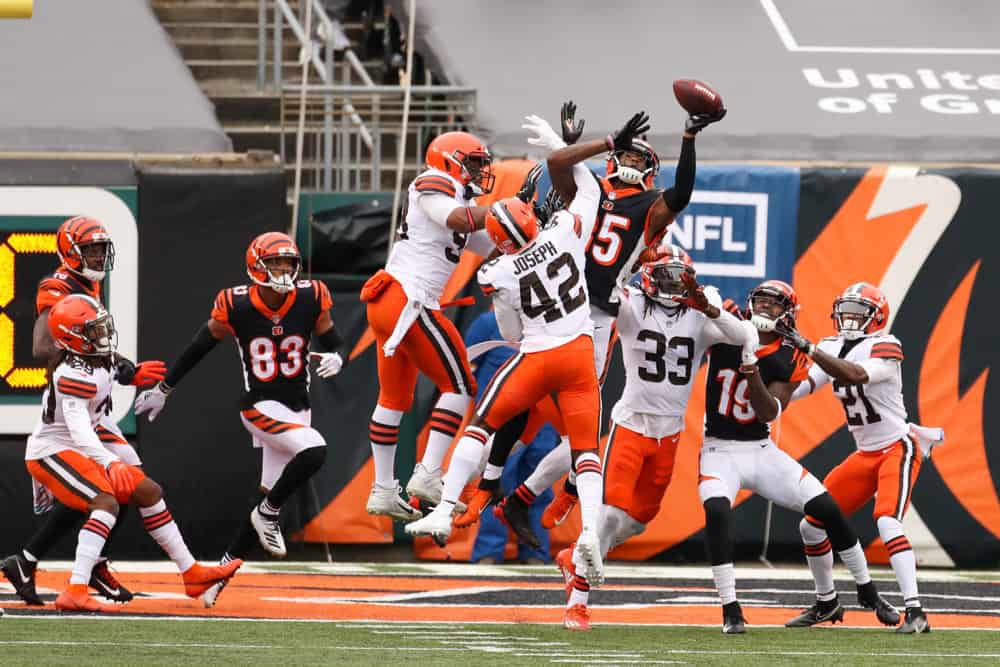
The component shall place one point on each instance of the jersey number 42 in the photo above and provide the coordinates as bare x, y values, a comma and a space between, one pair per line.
536, 300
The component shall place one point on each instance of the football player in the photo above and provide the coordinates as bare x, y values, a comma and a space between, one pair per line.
747, 389
273, 321
65, 454
863, 362
86, 256
540, 299
666, 322
440, 219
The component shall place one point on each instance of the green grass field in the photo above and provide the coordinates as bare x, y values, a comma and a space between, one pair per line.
86, 641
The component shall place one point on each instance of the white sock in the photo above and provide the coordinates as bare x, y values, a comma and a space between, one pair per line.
580, 592
446, 419
161, 527
463, 465
90, 543
901, 557
590, 484
854, 559
383, 432
492, 472
819, 556
554, 465
725, 582
267, 509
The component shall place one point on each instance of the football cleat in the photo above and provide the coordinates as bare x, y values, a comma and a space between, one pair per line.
199, 578
869, 598
479, 503
588, 545
268, 533
76, 598
514, 513
107, 585
211, 596
387, 501
577, 617
20, 572
437, 524
915, 622
733, 622
821, 612
558, 509
425, 484
564, 561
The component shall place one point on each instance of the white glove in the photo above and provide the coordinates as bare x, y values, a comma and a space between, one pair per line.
151, 401
329, 365
547, 137
750, 343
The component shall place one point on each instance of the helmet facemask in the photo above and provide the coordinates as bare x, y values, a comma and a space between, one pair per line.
852, 317
97, 258
768, 308
282, 271
634, 167
665, 282
477, 171
98, 336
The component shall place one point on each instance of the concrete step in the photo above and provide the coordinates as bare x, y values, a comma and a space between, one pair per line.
235, 11
231, 49
243, 69
210, 30
251, 108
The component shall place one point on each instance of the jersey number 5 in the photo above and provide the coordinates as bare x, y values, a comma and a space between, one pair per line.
607, 243
264, 360
531, 287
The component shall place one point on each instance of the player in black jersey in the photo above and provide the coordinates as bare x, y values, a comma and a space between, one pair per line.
746, 390
273, 321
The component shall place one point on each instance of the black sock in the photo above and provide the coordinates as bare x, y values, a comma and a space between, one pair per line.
718, 539
114, 531
247, 537
61, 521
505, 439
296, 473
570, 488
824, 508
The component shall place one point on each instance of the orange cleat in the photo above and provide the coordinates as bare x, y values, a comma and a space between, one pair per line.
76, 598
477, 504
577, 617
564, 561
558, 510
199, 578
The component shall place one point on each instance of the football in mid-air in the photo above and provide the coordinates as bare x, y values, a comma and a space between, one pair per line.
696, 96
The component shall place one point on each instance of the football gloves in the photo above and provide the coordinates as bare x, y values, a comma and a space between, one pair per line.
151, 401
792, 335
143, 373
695, 298
530, 184
545, 136
636, 126
571, 130
330, 363
697, 122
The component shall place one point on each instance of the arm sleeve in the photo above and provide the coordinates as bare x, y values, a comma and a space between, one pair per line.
437, 207
879, 370
677, 197
480, 243
202, 344
80, 429
588, 196
726, 328
508, 319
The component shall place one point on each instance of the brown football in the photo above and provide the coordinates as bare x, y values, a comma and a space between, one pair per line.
697, 96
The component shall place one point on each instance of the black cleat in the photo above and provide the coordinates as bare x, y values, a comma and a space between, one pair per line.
20, 572
915, 622
821, 612
514, 512
733, 622
869, 598
107, 586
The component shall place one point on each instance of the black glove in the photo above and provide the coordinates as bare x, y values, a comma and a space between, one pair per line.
622, 139
697, 122
527, 191
124, 370
571, 132
792, 335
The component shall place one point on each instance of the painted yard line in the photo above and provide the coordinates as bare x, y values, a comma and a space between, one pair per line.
645, 661
79, 643
854, 654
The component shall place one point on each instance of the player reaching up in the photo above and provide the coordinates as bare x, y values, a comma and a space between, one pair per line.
86, 256
864, 363
440, 219
747, 389
666, 322
273, 321
66, 455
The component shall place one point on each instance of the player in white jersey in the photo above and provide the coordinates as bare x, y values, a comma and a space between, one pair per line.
64, 453
666, 323
541, 301
412, 335
863, 362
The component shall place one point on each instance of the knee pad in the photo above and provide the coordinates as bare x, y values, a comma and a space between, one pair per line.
824, 508
811, 534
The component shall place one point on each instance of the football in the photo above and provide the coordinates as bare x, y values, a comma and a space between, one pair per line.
696, 96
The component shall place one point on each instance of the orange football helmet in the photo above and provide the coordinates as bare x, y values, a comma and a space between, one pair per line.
660, 276
464, 157
83, 241
783, 294
263, 252
80, 324
512, 224
644, 177
861, 310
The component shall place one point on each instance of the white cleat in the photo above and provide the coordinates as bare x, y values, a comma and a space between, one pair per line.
211, 596
437, 524
387, 501
425, 484
588, 545
268, 533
